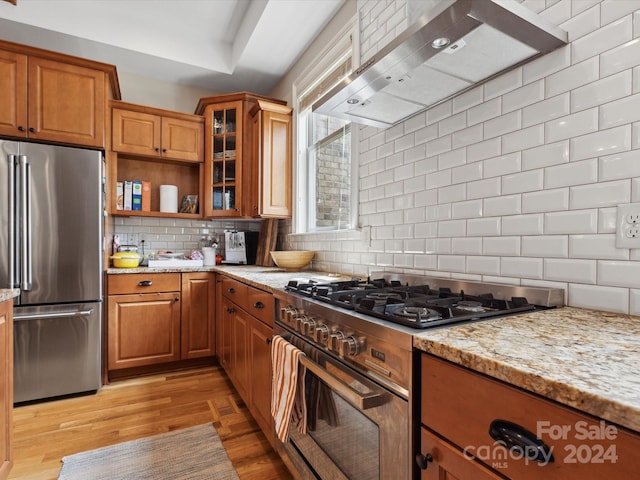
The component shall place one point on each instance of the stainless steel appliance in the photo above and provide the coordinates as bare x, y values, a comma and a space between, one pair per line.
357, 340
51, 248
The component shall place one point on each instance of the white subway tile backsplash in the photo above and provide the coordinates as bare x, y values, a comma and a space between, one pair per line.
504, 124
438, 146
575, 173
454, 193
599, 297
484, 111
503, 165
451, 263
603, 91
489, 187
546, 155
522, 182
614, 9
572, 77
635, 136
605, 142
483, 265
522, 139
546, 110
484, 226
439, 246
579, 221
607, 220
452, 124
467, 173
635, 190
468, 209
487, 149
426, 134
503, 84
620, 58
546, 201
582, 24
603, 194
634, 302
425, 262
521, 267
532, 224
501, 246
468, 99
596, 247
570, 270
619, 165
545, 246
603, 39
466, 246
454, 158
439, 112
619, 273
439, 179
467, 136
452, 228
619, 112
546, 65
526, 95
504, 205
579, 123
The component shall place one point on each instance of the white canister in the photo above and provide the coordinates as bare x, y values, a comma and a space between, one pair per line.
209, 254
169, 198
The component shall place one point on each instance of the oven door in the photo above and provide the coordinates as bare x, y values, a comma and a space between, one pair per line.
356, 429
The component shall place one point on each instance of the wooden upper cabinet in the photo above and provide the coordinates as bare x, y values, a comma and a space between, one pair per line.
247, 156
53, 97
271, 195
150, 132
13, 96
67, 103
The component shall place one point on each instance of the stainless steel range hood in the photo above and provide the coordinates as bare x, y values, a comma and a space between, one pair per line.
451, 48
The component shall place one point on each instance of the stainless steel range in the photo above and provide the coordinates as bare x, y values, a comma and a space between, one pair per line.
357, 337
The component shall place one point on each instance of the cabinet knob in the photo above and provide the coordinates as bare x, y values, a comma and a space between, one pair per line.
230, 310
269, 340
231, 290
157, 149
21, 128
145, 283
423, 461
32, 130
177, 299
164, 150
258, 304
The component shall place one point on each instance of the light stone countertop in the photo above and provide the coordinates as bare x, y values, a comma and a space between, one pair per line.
586, 359
8, 293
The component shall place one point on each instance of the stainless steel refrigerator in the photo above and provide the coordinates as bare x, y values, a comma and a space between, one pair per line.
51, 248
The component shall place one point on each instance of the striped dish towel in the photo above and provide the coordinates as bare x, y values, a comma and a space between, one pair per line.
288, 406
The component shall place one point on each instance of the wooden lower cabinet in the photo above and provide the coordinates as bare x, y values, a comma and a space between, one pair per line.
144, 329
6, 387
245, 328
155, 319
459, 408
197, 318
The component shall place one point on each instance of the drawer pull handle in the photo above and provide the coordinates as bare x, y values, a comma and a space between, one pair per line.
516, 438
423, 461
258, 304
145, 283
269, 340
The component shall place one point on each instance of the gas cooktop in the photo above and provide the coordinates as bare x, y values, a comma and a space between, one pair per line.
423, 302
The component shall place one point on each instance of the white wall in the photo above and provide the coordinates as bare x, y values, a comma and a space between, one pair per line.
515, 181
155, 93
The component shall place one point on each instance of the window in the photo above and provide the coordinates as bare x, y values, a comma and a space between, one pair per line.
326, 180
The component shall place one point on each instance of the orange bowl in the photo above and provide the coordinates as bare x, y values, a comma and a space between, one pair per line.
292, 260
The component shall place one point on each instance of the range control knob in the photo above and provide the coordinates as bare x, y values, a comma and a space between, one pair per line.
308, 326
298, 322
350, 346
334, 340
321, 334
289, 313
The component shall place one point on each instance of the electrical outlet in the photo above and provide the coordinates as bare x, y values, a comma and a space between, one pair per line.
628, 226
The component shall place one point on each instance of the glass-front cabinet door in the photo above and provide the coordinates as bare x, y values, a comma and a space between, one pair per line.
223, 159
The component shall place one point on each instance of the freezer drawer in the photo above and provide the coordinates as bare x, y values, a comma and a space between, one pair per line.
56, 350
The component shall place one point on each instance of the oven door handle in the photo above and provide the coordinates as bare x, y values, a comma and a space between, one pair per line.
375, 398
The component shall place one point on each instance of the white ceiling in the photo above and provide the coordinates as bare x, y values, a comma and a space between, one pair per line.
220, 45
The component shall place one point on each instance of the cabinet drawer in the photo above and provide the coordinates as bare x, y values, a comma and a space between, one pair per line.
235, 291
260, 304
143, 283
461, 405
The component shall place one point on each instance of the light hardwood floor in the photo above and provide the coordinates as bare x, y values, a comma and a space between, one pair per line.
130, 409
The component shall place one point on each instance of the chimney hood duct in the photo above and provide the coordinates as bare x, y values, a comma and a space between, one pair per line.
456, 45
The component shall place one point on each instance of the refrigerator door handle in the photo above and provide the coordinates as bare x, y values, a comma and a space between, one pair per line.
77, 313
11, 159
26, 277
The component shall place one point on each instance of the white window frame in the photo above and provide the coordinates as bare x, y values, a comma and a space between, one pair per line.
303, 192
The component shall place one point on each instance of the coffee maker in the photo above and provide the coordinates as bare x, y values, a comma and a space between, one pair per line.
240, 247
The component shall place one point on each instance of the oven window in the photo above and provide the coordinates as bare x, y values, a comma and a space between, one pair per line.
347, 436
